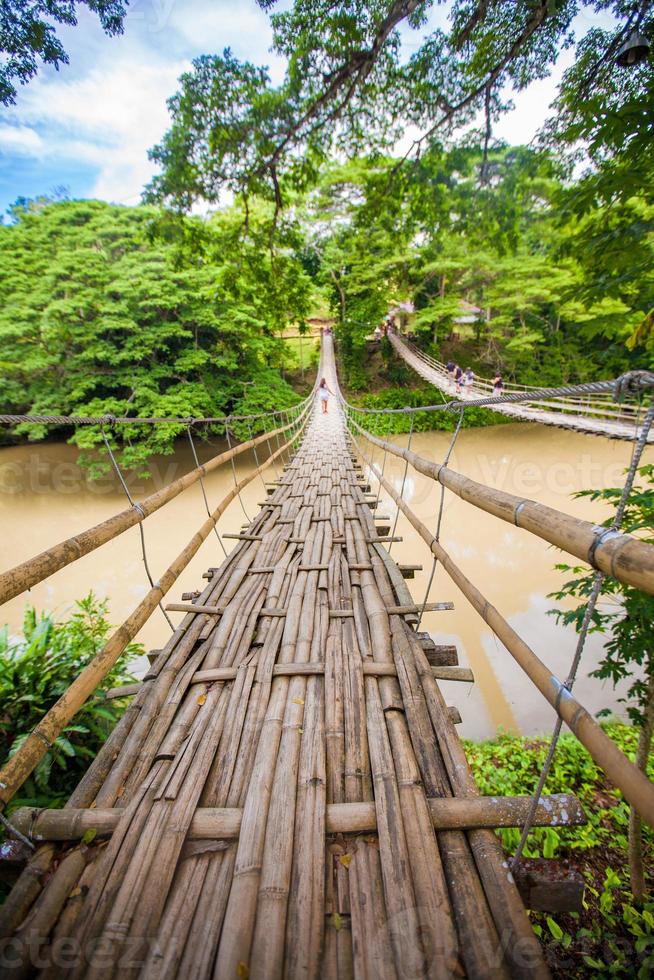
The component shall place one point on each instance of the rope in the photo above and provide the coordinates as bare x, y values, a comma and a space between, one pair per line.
17, 834
129, 420
204, 492
439, 521
256, 457
388, 432
406, 470
141, 531
598, 581
370, 461
631, 383
277, 470
240, 499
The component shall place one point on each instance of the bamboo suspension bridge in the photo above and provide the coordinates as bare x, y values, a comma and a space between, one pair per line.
593, 411
286, 794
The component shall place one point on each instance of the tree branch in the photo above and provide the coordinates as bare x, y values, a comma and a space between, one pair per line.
477, 16
483, 174
533, 24
359, 64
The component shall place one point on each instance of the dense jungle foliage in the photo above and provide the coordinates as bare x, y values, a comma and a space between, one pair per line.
35, 670
150, 310
132, 311
115, 310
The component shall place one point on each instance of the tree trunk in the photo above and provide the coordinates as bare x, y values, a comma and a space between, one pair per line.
635, 835
341, 295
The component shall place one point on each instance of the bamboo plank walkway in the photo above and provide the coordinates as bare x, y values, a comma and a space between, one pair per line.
563, 416
290, 820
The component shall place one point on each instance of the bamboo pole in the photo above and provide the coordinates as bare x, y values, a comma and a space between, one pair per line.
635, 785
622, 556
36, 569
466, 904
22, 763
189, 942
464, 674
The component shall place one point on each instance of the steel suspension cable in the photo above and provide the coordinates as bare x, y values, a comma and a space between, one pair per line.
404, 476
139, 508
204, 492
598, 582
439, 521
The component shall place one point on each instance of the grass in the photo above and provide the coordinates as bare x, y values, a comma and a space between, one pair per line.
611, 936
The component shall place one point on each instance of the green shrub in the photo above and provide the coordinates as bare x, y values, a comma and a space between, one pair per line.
423, 421
613, 936
35, 670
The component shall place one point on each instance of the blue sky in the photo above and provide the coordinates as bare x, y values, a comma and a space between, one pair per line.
88, 126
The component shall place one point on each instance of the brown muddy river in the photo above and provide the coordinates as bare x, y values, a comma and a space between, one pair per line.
45, 497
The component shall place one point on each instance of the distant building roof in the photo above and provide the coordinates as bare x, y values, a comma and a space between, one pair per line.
470, 313
405, 306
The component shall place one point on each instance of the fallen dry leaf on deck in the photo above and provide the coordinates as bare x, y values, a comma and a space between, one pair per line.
346, 860
201, 699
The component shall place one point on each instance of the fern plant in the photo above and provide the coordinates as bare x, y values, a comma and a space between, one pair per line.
35, 670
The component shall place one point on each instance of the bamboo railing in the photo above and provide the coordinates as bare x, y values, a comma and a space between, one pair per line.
622, 556
634, 784
36, 569
20, 766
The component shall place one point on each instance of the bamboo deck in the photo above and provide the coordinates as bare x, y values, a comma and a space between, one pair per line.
282, 822
563, 418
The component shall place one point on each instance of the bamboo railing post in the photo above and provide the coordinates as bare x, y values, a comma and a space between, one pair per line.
636, 787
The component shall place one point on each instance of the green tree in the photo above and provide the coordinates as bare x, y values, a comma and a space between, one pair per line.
350, 87
27, 35
123, 311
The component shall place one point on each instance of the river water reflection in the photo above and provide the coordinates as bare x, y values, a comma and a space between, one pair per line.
45, 497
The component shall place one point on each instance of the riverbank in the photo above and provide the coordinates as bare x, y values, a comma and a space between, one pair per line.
611, 936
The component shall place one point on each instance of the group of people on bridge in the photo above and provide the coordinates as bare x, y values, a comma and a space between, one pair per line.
462, 381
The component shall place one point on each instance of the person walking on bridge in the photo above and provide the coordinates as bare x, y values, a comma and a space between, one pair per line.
498, 384
324, 391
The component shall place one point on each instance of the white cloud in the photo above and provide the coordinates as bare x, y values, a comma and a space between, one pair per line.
108, 118
20, 139
243, 27
109, 107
